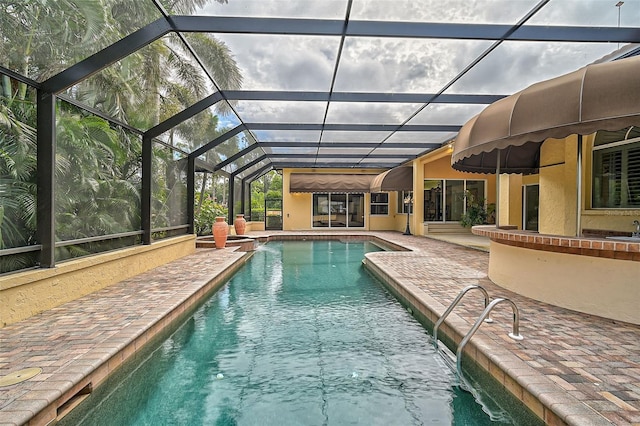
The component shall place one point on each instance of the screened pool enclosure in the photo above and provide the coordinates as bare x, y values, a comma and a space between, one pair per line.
115, 113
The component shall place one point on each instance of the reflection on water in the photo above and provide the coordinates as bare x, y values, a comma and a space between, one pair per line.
300, 336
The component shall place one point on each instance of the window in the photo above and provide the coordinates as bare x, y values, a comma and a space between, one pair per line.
403, 206
454, 200
616, 169
530, 207
433, 200
444, 199
338, 210
380, 203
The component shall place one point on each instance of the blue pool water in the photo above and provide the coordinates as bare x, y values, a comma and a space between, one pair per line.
301, 335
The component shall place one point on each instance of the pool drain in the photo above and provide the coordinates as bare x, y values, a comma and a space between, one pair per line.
19, 376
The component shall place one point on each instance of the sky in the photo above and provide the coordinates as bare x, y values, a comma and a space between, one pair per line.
396, 65
392, 65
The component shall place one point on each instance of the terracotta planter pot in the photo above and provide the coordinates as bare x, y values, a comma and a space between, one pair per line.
240, 224
220, 229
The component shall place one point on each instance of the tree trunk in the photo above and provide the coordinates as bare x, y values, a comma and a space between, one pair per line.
202, 191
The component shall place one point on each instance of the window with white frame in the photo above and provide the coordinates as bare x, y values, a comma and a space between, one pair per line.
379, 203
338, 210
445, 200
616, 169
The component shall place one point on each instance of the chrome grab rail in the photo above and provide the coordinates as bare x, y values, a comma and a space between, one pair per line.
515, 334
454, 304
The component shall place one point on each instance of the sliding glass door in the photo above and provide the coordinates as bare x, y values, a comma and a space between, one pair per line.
338, 210
445, 200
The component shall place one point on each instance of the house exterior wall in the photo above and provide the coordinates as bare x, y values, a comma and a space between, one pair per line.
558, 194
297, 207
437, 165
570, 275
557, 209
620, 220
391, 222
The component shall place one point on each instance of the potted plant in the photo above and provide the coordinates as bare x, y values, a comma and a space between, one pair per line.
476, 213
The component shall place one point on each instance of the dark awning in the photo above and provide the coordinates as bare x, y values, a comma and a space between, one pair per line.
396, 179
602, 96
325, 182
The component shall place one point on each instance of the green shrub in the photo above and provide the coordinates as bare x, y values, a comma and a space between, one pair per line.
476, 214
206, 213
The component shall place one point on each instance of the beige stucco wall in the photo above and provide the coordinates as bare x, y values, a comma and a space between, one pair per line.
437, 165
298, 207
610, 220
605, 287
510, 211
28, 293
252, 226
558, 195
394, 221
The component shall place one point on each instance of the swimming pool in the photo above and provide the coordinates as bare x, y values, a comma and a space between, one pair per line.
301, 335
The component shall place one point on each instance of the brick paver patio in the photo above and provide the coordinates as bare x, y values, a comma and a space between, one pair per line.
587, 367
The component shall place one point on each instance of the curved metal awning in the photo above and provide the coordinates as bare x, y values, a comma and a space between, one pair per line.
602, 96
396, 179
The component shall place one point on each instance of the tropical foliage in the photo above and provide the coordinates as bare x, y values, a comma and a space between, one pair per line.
206, 214
267, 187
17, 166
98, 163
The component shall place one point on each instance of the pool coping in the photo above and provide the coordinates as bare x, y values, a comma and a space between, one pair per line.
42, 403
540, 394
544, 397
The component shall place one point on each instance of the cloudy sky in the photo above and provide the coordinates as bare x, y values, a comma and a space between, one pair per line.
398, 65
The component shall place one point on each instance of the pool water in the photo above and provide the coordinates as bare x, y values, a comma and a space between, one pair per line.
301, 335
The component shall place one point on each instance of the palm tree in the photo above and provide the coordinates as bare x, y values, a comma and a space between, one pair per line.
17, 174
98, 164
97, 179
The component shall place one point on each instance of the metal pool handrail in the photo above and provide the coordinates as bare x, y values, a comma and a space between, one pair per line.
515, 334
454, 304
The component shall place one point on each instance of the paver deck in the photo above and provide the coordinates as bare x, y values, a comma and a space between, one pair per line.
585, 367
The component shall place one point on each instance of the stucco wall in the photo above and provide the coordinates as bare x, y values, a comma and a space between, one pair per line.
298, 207
437, 165
510, 211
254, 226
393, 221
28, 293
600, 286
610, 220
440, 168
558, 194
